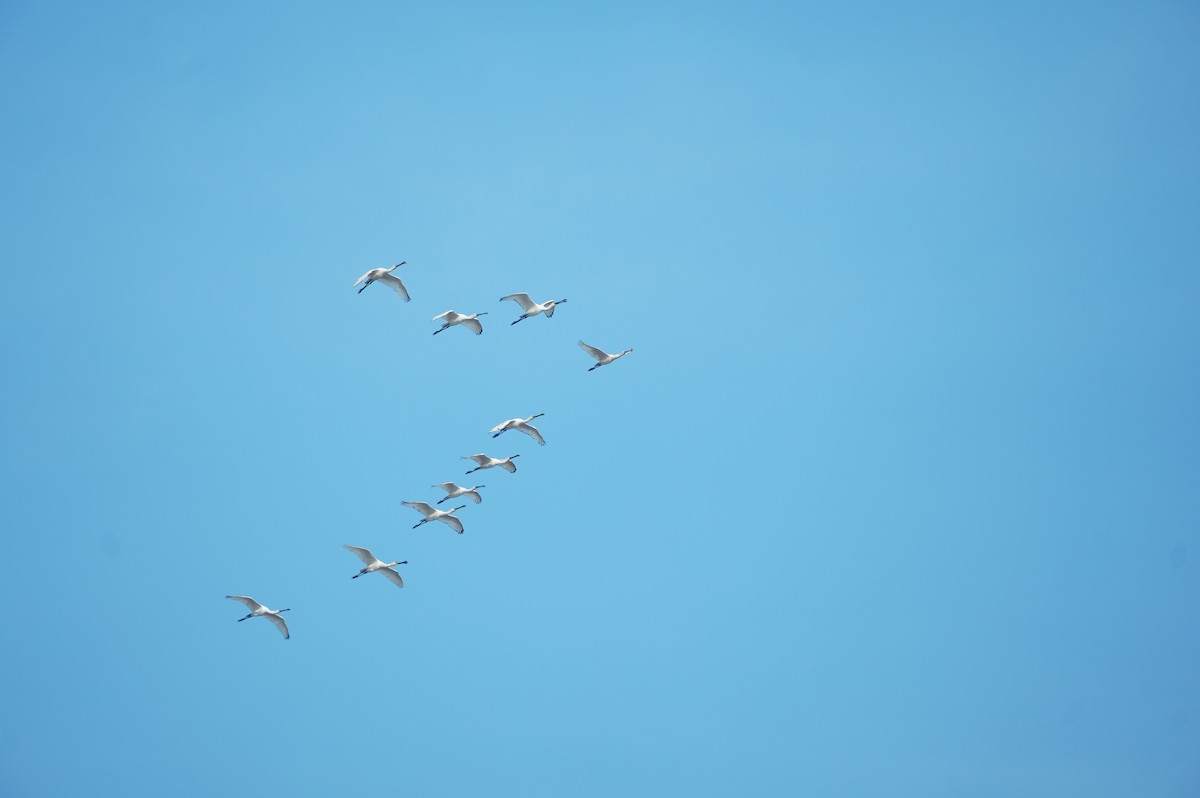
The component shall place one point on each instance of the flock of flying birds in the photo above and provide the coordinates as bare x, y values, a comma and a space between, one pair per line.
371, 563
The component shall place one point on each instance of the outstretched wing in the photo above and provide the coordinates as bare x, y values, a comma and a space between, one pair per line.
509, 466
481, 459
363, 554
475, 497
253, 605
523, 300
362, 279
421, 507
447, 486
504, 425
397, 286
452, 522
473, 325
392, 576
280, 624
593, 351
450, 316
532, 432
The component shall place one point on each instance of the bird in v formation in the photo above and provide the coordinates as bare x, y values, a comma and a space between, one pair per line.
450, 318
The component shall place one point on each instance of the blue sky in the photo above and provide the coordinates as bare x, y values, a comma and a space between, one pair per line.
896, 496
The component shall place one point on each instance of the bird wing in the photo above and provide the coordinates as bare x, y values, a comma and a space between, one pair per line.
532, 432
363, 554
549, 311
363, 278
593, 351
249, 602
475, 497
280, 624
481, 459
421, 507
447, 486
396, 285
392, 576
509, 466
452, 522
523, 300
473, 325
445, 315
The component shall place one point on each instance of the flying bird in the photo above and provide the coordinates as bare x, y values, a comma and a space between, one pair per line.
451, 318
386, 277
259, 611
374, 564
602, 357
454, 491
522, 425
491, 462
531, 308
433, 514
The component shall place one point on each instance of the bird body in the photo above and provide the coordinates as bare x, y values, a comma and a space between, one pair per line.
431, 513
602, 357
259, 611
386, 277
531, 308
454, 491
483, 461
451, 318
521, 425
374, 564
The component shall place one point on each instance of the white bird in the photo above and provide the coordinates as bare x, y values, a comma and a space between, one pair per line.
602, 357
259, 611
374, 564
454, 491
451, 318
531, 308
491, 462
386, 277
522, 425
433, 514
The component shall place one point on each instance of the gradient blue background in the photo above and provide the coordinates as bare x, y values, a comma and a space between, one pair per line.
897, 495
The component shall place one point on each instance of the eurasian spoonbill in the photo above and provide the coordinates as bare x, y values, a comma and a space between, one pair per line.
386, 277
522, 425
491, 462
602, 357
451, 318
374, 564
431, 513
259, 611
454, 491
531, 308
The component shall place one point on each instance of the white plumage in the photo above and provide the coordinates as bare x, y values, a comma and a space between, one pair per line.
602, 357
451, 318
491, 462
386, 277
259, 611
454, 491
531, 308
374, 564
431, 513
521, 425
